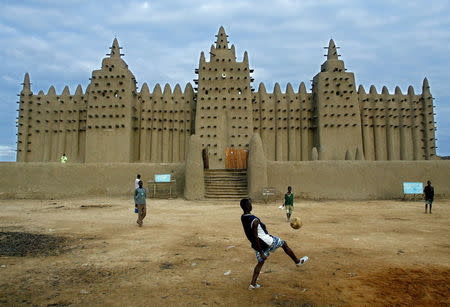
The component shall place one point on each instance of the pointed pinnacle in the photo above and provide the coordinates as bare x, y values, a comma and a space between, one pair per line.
115, 49
332, 51
26, 82
222, 41
425, 86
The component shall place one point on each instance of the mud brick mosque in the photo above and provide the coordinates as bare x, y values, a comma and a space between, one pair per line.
114, 121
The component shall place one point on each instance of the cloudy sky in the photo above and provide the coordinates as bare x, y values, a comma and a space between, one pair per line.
384, 42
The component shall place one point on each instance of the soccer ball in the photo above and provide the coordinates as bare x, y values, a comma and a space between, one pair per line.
296, 223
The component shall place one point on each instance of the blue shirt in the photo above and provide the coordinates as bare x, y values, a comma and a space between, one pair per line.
140, 194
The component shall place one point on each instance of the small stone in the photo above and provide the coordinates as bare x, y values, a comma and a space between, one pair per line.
227, 273
84, 291
3, 266
193, 264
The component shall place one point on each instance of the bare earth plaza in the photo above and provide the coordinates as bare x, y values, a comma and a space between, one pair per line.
68, 235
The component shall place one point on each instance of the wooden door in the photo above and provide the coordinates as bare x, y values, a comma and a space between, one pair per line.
236, 158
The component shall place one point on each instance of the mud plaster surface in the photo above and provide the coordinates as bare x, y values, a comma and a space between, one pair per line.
374, 253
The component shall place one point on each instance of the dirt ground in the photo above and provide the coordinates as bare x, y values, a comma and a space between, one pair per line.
368, 253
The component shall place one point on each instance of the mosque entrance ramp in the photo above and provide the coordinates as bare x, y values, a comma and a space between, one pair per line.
226, 184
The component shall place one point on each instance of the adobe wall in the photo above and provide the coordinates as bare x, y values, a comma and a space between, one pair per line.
283, 120
55, 180
357, 179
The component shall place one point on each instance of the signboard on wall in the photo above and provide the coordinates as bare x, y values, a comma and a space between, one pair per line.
162, 178
412, 188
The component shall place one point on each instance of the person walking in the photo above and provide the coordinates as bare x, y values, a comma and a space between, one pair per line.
428, 193
140, 195
262, 242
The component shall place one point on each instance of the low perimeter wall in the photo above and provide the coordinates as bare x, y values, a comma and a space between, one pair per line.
357, 179
46, 180
313, 179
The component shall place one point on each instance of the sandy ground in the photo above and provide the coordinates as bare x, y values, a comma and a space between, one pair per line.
373, 253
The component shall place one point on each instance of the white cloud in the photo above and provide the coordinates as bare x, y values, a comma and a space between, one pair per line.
7, 153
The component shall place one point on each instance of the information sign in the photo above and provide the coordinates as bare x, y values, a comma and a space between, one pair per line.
162, 178
412, 188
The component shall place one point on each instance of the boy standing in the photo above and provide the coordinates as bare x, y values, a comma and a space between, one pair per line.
289, 203
428, 193
140, 194
64, 158
262, 242
136, 181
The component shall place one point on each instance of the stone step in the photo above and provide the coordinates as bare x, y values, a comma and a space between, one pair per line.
226, 188
226, 177
216, 182
226, 196
220, 183
226, 184
226, 174
226, 170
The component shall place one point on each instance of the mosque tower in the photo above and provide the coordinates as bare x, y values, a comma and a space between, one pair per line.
224, 101
111, 114
337, 115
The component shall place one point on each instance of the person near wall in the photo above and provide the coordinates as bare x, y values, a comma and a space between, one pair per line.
64, 158
289, 203
140, 195
136, 181
428, 193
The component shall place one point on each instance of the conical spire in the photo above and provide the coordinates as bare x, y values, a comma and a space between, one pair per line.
188, 89
222, 39
410, 90
425, 87
144, 89
361, 89
332, 51
177, 90
245, 60
51, 91
66, 91
262, 88
26, 82
157, 90
398, 91
79, 90
289, 89
167, 90
115, 49
302, 88
277, 88
202, 58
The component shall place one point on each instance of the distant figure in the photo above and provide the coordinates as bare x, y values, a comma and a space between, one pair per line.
64, 158
262, 242
428, 193
136, 181
289, 203
140, 194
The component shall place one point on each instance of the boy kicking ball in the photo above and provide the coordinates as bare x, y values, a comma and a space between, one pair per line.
262, 242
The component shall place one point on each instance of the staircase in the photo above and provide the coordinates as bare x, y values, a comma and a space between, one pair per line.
225, 184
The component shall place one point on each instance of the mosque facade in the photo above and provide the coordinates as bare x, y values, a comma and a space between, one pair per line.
114, 121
